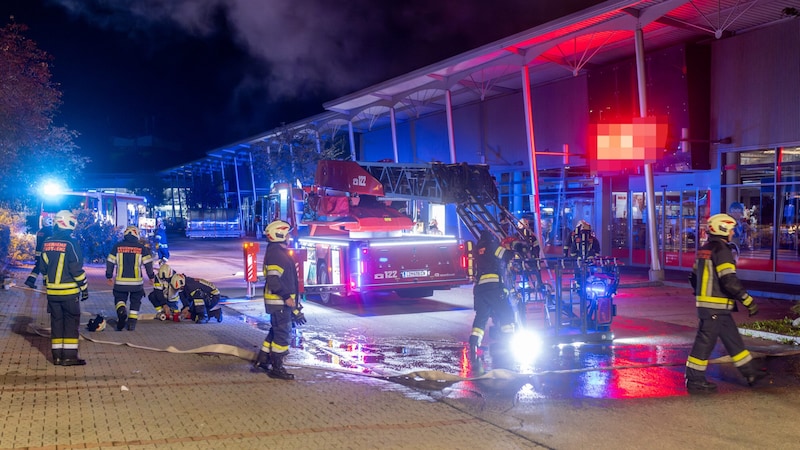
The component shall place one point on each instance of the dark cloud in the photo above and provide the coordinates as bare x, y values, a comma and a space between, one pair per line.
205, 73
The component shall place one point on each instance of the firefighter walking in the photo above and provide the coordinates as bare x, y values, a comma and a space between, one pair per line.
62, 266
490, 293
280, 300
128, 256
717, 289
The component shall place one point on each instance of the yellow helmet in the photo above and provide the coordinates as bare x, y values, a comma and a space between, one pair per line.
721, 224
277, 231
66, 220
132, 230
583, 225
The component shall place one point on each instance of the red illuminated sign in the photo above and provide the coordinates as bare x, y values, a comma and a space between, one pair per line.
617, 146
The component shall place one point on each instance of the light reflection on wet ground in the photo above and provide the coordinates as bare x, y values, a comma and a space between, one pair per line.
563, 371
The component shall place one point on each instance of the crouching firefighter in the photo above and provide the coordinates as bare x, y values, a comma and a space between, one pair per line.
164, 299
128, 255
490, 295
200, 297
280, 301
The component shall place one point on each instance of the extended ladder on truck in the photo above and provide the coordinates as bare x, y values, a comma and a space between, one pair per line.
470, 187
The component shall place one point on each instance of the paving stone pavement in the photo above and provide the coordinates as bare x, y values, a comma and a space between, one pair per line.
132, 397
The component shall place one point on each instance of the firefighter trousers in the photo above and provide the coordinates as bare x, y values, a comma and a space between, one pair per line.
491, 301
280, 320
135, 298
712, 327
65, 321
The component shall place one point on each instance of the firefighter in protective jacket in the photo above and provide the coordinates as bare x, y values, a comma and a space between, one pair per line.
717, 289
582, 243
62, 266
280, 300
44, 232
164, 299
200, 298
490, 293
128, 255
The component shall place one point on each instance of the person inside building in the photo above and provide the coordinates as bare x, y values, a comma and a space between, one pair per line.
128, 256
199, 298
280, 300
162, 247
65, 280
717, 290
164, 299
582, 242
490, 296
45, 231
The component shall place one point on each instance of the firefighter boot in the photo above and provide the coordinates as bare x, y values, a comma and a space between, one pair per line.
58, 356
700, 387
122, 318
473, 347
131, 324
278, 371
752, 373
262, 362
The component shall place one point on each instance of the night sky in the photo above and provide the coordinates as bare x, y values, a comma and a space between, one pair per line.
206, 73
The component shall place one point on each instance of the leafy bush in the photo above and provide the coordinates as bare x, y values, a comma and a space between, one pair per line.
17, 245
95, 238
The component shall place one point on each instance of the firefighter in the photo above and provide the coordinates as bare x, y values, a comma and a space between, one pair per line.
62, 267
162, 247
490, 295
164, 299
717, 289
128, 255
280, 300
44, 232
582, 242
527, 231
200, 298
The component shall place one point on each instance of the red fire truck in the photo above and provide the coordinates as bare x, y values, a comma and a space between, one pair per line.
350, 239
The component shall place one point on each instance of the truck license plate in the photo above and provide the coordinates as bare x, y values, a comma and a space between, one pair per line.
414, 273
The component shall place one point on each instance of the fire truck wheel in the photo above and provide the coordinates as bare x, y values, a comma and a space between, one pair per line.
326, 298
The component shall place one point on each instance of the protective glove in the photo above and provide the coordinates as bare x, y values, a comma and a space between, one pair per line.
298, 318
84, 294
750, 304
31, 282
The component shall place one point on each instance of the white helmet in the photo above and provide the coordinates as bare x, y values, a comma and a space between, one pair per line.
165, 272
177, 282
721, 224
130, 229
65, 220
277, 231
